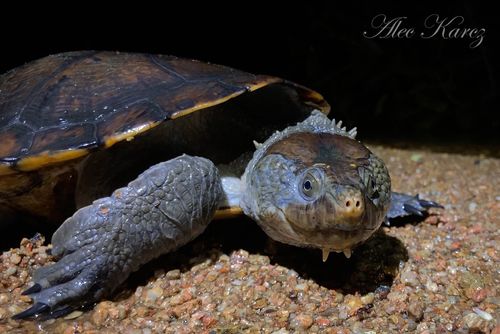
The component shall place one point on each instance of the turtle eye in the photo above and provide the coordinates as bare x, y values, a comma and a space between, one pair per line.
310, 185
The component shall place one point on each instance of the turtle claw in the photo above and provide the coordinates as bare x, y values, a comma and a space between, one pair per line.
413, 210
35, 310
33, 289
407, 205
429, 204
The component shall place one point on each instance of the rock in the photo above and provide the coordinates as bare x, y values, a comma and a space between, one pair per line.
173, 274
431, 286
100, 314
302, 321
416, 309
410, 278
483, 314
368, 298
260, 303
472, 207
10, 271
474, 322
15, 259
153, 294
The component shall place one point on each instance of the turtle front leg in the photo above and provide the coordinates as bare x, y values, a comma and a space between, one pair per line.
407, 205
101, 244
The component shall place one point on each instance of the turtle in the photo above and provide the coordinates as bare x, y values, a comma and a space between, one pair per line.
134, 154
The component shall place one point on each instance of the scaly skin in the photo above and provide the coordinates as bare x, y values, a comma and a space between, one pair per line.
101, 244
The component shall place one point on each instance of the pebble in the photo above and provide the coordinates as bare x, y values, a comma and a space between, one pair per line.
410, 278
10, 271
416, 309
173, 274
485, 315
368, 298
15, 258
473, 321
302, 321
153, 294
100, 313
431, 286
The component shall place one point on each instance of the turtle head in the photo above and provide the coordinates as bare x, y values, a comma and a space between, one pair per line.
314, 185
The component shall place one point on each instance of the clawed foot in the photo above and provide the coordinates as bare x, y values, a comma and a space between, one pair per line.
84, 271
406, 205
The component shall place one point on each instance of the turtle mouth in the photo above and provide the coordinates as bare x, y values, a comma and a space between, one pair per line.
333, 226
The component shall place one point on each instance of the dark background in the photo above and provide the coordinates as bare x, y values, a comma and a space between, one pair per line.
425, 91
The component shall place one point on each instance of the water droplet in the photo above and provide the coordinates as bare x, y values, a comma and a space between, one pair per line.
105, 108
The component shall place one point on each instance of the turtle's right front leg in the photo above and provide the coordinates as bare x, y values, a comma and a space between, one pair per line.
101, 244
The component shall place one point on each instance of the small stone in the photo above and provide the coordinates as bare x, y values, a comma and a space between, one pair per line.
119, 312
281, 331
212, 275
4, 298
353, 303
416, 310
368, 298
15, 258
302, 321
479, 295
410, 278
455, 245
10, 271
382, 291
100, 314
416, 157
142, 311
474, 322
431, 286
432, 220
472, 207
485, 315
208, 321
471, 283
173, 274
153, 294
260, 303
323, 322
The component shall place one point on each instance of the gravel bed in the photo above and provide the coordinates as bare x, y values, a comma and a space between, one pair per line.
438, 275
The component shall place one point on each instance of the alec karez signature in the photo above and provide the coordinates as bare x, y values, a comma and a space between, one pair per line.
433, 26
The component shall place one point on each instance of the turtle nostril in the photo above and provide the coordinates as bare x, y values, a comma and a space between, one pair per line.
358, 204
348, 203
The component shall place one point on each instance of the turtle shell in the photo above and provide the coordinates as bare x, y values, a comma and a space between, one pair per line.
63, 106
56, 110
